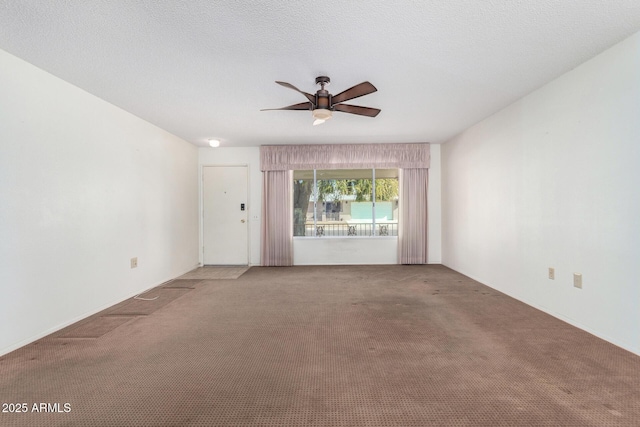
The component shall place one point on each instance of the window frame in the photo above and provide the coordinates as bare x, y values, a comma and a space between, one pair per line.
317, 233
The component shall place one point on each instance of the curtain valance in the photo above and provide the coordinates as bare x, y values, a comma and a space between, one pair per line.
344, 156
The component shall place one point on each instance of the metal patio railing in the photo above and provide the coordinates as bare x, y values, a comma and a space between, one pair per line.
343, 229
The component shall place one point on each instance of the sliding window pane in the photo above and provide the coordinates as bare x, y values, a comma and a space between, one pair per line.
303, 201
387, 199
344, 202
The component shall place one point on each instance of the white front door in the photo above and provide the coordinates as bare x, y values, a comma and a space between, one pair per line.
225, 213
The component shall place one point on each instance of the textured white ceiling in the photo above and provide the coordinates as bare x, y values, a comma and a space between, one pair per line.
202, 69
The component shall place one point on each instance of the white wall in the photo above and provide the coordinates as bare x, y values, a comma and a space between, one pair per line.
84, 187
345, 250
553, 181
243, 156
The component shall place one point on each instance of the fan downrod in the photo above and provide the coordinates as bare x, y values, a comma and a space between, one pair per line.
322, 81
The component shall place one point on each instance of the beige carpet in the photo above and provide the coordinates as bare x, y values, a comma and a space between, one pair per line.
323, 346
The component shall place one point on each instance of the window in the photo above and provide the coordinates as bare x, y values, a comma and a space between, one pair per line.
345, 202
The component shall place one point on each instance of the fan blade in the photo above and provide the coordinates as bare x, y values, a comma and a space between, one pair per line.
290, 86
354, 109
301, 106
364, 88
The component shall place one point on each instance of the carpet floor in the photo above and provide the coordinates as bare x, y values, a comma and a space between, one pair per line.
322, 346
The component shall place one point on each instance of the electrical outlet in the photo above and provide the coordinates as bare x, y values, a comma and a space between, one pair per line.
134, 262
577, 280
552, 273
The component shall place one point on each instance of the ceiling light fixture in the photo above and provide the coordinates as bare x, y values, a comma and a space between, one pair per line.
321, 115
214, 143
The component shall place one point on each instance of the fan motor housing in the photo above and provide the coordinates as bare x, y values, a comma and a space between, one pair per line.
323, 100
323, 97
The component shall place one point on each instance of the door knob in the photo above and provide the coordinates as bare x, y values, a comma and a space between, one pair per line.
242, 221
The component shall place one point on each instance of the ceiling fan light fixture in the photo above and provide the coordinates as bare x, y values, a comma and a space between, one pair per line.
321, 115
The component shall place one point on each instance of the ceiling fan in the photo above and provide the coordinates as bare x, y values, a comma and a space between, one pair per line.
323, 104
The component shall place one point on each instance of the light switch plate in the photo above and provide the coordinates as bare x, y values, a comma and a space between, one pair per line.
577, 280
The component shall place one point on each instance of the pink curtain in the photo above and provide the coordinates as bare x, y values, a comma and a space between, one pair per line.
412, 228
279, 161
343, 156
277, 219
